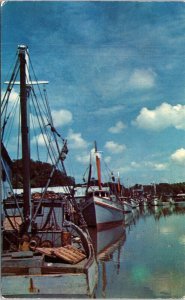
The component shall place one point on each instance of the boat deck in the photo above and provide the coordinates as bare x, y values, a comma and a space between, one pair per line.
29, 264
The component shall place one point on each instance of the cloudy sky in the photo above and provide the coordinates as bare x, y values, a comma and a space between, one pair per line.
116, 73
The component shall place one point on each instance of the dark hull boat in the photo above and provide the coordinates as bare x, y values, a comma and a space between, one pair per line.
47, 250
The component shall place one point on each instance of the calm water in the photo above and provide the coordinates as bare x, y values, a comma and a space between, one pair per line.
144, 260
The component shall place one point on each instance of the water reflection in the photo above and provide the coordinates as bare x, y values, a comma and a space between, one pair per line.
107, 245
145, 259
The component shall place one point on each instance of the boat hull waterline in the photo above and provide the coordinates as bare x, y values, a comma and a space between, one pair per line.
102, 213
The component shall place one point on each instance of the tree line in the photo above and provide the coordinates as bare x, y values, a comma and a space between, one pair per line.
39, 174
161, 188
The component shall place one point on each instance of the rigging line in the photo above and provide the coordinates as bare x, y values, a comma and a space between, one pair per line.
55, 134
15, 58
112, 185
48, 109
18, 145
107, 167
50, 115
41, 120
69, 167
45, 189
109, 175
9, 219
46, 105
4, 111
7, 138
19, 134
55, 219
36, 138
35, 77
85, 173
10, 86
39, 109
6, 118
11, 188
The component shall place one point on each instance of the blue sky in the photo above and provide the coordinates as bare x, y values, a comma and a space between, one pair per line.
116, 73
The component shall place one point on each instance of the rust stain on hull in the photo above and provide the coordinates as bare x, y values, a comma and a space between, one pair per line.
33, 289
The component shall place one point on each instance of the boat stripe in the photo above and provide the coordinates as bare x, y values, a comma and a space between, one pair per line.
107, 205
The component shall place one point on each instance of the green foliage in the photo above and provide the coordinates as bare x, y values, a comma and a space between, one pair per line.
164, 188
39, 174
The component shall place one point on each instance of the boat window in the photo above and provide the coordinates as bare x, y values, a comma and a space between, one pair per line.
97, 193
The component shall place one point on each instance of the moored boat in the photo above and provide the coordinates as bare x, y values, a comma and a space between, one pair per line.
101, 208
44, 253
179, 199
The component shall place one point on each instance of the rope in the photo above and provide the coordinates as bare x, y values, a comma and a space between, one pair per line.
10, 85
9, 130
37, 146
9, 182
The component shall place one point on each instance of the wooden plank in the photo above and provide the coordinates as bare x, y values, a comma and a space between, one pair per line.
70, 255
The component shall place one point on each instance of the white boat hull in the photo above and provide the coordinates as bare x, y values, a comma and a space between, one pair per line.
102, 213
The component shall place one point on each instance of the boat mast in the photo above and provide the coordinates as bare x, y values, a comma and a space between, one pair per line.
119, 185
98, 165
24, 94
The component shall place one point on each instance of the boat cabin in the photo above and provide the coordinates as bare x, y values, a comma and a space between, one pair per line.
98, 193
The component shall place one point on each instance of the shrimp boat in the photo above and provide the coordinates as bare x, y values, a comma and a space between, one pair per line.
101, 208
46, 246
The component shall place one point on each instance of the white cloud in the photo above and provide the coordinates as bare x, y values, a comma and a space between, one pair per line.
76, 141
61, 117
83, 158
142, 79
114, 147
161, 117
107, 159
135, 164
179, 156
40, 139
156, 166
112, 83
119, 126
123, 170
149, 164
13, 95
160, 166
109, 110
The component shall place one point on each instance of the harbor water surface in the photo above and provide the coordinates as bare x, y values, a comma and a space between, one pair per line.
146, 259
